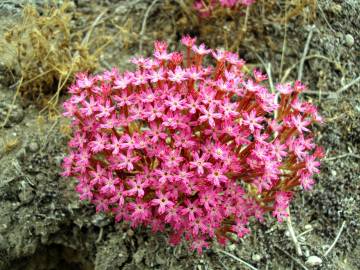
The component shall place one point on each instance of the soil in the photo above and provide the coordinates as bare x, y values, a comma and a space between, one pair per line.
44, 226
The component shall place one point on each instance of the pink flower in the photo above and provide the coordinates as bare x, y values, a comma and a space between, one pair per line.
306, 180
156, 132
285, 89
300, 123
177, 76
209, 115
197, 149
157, 75
239, 228
99, 143
137, 187
216, 176
89, 107
200, 163
188, 41
162, 201
191, 210
252, 121
311, 164
173, 159
126, 162
140, 211
175, 103
104, 110
201, 50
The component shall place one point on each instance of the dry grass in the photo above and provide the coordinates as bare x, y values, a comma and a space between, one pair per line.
49, 50
232, 28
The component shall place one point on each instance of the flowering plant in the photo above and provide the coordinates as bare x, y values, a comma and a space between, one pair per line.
193, 148
205, 8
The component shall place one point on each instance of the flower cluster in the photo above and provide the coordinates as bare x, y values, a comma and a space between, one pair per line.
205, 8
198, 150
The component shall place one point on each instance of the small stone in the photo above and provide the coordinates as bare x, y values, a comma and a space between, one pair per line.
336, 8
130, 232
17, 115
256, 257
21, 155
349, 39
313, 261
33, 147
232, 247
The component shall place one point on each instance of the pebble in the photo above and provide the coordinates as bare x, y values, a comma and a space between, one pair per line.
256, 257
313, 261
349, 40
232, 247
130, 232
336, 8
17, 115
33, 147
21, 155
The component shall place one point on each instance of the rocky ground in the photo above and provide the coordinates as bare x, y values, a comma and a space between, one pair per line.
44, 226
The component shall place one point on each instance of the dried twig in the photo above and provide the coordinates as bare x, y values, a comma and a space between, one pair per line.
292, 233
305, 52
288, 71
100, 236
284, 42
12, 104
267, 70
342, 156
336, 239
342, 89
143, 25
237, 259
324, 16
93, 25
305, 232
293, 258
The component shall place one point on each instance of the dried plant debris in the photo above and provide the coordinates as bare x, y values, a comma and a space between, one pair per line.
231, 27
49, 50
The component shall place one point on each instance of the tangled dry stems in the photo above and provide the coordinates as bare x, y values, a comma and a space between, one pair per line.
49, 50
